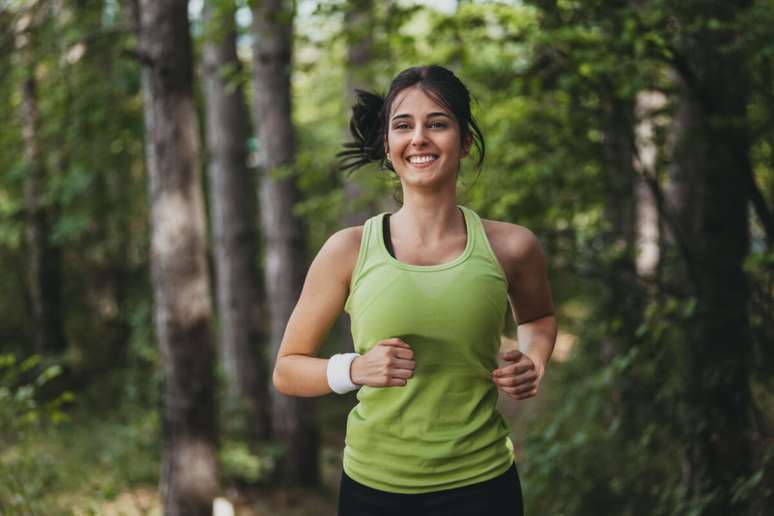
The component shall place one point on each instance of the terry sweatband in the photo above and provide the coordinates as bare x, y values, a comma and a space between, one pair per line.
339, 378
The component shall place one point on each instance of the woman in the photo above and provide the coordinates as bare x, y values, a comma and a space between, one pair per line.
426, 288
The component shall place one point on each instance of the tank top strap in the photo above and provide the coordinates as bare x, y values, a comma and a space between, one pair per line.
481, 245
368, 254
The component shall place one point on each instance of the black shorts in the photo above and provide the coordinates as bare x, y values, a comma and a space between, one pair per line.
500, 496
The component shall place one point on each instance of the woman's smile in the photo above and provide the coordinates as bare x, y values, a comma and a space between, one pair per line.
422, 160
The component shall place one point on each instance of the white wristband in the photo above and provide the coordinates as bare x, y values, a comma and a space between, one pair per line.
339, 378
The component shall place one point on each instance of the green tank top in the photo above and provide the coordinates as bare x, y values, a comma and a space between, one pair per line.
442, 429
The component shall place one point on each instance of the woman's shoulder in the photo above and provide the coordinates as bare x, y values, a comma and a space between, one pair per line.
511, 239
347, 240
513, 244
341, 251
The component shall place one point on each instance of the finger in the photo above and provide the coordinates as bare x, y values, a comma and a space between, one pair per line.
512, 369
401, 363
528, 395
395, 341
513, 381
526, 377
520, 390
396, 382
403, 353
402, 373
513, 354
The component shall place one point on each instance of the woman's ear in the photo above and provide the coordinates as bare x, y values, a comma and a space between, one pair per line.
466, 145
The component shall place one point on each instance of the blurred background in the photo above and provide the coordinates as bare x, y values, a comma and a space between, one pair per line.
168, 171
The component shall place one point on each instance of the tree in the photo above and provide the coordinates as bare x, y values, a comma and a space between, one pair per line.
232, 200
359, 26
293, 419
44, 273
712, 164
178, 264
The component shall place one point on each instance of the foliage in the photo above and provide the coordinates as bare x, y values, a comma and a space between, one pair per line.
24, 475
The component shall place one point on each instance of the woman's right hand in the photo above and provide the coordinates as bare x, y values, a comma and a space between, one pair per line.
388, 364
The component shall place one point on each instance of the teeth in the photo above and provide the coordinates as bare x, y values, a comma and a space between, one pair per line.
421, 159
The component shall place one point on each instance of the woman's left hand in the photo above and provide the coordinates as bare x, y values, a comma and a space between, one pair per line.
521, 378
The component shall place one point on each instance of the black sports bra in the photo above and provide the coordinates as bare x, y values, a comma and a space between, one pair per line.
386, 231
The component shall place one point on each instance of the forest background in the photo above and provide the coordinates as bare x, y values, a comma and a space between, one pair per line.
168, 171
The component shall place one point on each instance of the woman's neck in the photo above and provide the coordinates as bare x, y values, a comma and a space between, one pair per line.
428, 223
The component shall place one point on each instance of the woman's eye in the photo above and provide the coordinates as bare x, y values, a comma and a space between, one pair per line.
433, 125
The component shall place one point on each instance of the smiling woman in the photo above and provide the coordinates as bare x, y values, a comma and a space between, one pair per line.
426, 288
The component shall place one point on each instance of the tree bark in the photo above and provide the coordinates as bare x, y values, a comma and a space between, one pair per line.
356, 207
647, 218
178, 262
233, 208
623, 300
712, 158
359, 32
293, 419
44, 265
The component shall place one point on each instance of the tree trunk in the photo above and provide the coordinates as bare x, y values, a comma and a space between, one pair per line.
44, 264
232, 201
620, 208
647, 223
293, 419
356, 208
712, 153
178, 262
623, 301
359, 33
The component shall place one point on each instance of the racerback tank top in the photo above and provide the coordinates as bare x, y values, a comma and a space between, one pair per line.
441, 430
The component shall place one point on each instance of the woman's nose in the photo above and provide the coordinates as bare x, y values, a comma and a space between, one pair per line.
418, 138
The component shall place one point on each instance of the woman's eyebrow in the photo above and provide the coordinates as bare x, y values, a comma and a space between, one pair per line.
406, 115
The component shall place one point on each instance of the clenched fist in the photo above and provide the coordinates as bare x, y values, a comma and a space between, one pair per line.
388, 364
519, 379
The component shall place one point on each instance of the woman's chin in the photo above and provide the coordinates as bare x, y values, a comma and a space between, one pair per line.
426, 177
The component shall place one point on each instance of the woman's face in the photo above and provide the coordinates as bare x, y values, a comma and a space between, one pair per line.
423, 139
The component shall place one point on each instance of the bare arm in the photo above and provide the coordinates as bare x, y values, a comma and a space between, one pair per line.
297, 372
530, 296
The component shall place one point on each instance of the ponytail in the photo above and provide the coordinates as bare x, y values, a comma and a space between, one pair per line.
366, 126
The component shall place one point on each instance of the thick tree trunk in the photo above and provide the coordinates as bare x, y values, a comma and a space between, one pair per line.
712, 155
44, 265
178, 263
232, 202
294, 419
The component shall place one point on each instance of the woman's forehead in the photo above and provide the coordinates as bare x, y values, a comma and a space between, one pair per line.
414, 97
